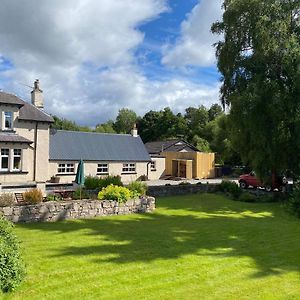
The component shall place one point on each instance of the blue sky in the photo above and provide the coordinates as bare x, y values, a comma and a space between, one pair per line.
94, 57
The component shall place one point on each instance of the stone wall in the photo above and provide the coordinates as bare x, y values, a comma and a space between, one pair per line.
180, 189
76, 209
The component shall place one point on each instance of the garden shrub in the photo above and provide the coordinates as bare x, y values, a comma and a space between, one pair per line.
76, 194
7, 199
137, 188
12, 269
53, 197
293, 202
108, 180
248, 197
33, 196
92, 182
114, 192
231, 188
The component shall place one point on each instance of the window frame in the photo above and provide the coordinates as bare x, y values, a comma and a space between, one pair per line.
9, 117
65, 168
129, 168
153, 166
102, 166
1, 162
14, 155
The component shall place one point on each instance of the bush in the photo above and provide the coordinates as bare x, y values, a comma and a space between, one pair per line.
113, 192
33, 196
108, 180
293, 203
53, 197
230, 187
137, 188
248, 197
7, 199
12, 270
76, 194
92, 182
184, 183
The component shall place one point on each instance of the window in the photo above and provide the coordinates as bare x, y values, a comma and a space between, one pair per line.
102, 169
128, 168
4, 159
153, 166
17, 159
8, 120
65, 168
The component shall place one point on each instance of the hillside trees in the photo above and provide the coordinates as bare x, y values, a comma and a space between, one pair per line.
259, 60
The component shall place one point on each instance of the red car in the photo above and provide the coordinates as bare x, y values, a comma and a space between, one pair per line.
250, 179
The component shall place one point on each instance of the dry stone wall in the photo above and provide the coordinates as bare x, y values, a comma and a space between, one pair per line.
76, 209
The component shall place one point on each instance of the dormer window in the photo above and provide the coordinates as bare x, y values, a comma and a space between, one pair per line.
8, 120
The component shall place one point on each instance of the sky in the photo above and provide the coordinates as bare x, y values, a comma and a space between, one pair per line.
94, 57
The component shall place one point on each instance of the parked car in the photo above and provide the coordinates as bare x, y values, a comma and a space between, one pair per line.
250, 179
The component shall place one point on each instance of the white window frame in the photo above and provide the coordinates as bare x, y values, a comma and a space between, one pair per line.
103, 169
16, 155
66, 168
2, 156
11, 120
153, 166
129, 168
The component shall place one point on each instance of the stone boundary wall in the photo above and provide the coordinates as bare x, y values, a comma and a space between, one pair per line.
75, 209
180, 189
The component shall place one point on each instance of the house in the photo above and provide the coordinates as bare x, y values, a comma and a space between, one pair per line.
182, 159
31, 153
24, 139
103, 154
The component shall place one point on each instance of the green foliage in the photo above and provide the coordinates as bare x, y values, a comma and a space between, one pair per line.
107, 127
7, 199
125, 120
138, 188
113, 192
201, 144
53, 197
261, 81
293, 202
12, 270
108, 180
80, 193
231, 188
92, 182
33, 196
248, 197
95, 182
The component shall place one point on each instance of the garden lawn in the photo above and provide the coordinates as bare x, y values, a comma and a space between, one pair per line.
191, 247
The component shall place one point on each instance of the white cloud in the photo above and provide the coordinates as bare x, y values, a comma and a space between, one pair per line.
194, 47
83, 53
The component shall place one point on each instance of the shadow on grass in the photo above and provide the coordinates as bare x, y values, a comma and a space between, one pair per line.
216, 228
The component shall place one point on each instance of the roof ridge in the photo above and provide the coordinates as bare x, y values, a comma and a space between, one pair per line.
93, 132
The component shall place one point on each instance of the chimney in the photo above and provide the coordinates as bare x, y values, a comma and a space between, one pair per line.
134, 131
37, 98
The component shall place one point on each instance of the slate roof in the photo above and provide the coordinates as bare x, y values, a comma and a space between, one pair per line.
89, 146
13, 138
27, 112
169, 145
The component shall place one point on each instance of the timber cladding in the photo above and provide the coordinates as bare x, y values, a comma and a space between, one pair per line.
190, 164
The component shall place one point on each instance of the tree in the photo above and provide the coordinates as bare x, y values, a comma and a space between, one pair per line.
259, 61
196, 119
107, 127
201, 144
125, 120
214, 111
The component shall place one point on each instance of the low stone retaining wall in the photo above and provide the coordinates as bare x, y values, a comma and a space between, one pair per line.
76, 209
181, 189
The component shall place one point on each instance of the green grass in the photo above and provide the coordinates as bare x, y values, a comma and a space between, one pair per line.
192, 247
